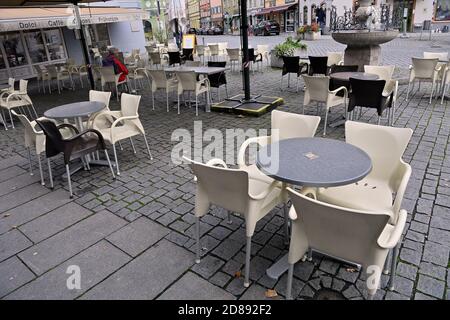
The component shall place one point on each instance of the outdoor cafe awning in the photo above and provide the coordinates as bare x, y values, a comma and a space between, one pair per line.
26, 18
276, 9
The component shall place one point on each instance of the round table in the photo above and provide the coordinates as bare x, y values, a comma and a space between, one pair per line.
345, 76
311, 162
76, 110
314, 162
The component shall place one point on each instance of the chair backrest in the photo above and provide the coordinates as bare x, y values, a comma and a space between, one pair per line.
292, 125
317, 87
172, 47
101, 96
23, 86
223, 46
213, 49
384, 145
129, 104
52, 71
318, 65
159, 78
188, 54
174, 57
262, 48
135, 52
334, 58
234, 54
291, 64
217, 79
426, 25
187, 80
11, 82
155, 57
338, 68
436, 55
227, 188
54, 142
383, 72
340, 232
29, 132
366, 93
200, 49
107, 74
424, 68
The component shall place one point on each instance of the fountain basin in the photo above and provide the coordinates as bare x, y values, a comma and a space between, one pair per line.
363, 46
363, 38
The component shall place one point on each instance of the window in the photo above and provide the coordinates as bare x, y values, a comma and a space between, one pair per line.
35, 46
54, 44
14, 49
442, 10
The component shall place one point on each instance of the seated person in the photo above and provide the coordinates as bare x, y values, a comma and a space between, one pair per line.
119, 67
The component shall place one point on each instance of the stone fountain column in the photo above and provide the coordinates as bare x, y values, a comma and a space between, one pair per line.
363, 46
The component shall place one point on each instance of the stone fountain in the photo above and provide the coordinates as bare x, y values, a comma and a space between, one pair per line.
363, 44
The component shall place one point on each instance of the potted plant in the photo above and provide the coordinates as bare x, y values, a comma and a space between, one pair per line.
290, 47
301, 32
312, 32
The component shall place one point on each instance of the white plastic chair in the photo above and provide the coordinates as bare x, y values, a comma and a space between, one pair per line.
317, 90
100, 96
223, 48
436, 55
79, 71
125, 126
424, 70
359, 236
236, 191
263, 49
60, 76
389, 176
160, 81
17, 99
202, 52
10, 87
234, 55
34, 138
187, 82
335, 58
108, 76
214, 51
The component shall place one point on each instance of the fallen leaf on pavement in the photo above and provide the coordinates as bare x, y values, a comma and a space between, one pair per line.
238, 274
271, 293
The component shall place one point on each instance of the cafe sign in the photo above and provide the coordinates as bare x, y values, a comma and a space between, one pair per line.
68, 21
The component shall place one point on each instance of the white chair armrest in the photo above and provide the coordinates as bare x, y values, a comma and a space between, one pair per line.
264, 140
390, 241
216, 162
119, 120
342, 88
266, 192
402, 182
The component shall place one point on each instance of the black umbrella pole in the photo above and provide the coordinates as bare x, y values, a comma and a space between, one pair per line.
86, 58
244, 34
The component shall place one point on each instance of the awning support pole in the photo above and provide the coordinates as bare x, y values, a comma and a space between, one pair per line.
84, 45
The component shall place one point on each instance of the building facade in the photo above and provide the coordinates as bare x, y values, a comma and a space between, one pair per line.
155, 26
254, 10
193, 10
205, 13
33, 36
231, 16
216, 13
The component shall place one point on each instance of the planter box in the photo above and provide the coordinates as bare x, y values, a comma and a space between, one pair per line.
312, 36
276, 62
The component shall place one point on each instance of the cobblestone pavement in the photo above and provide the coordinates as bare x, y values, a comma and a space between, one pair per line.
133, 237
